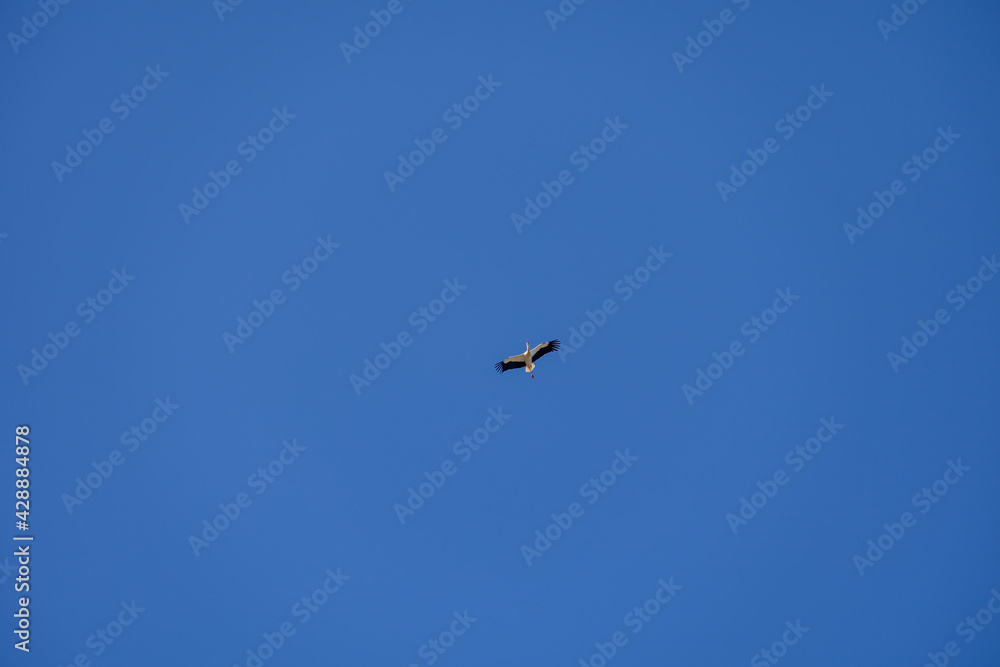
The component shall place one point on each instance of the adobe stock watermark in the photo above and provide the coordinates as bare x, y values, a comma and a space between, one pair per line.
436, 647
259, 481
381, 18
6, 569
454, 116
753, 329
436, 477
122, 106
104, 637
249, 148
779, 648
581, 158
914, 168
132, 439
303, 610
293, 276
713, 29
796, 459
563, 11
22, 626
636, 620
926, 330
898, 18
786, 126
88, 309
419, 320
629, 284
223, 7
37, 21
970, 628
923, 500
591, 490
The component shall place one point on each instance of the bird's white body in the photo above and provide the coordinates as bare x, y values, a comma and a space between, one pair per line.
529, 365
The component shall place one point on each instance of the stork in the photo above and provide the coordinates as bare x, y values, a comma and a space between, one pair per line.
527, 360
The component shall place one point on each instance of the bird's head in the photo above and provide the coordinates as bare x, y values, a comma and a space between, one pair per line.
527, 345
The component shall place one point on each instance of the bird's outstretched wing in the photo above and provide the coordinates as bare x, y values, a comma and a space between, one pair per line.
509, 363
543, 349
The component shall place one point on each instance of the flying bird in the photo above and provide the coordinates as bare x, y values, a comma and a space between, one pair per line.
528, 359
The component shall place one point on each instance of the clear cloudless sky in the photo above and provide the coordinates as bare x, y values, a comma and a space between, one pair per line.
117, 520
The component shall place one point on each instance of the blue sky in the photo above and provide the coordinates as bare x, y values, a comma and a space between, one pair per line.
753, 384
